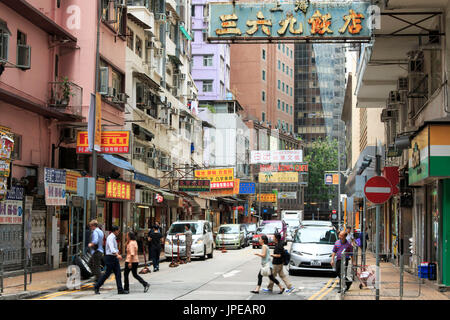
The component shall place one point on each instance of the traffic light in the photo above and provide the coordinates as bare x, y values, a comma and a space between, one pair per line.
365, 164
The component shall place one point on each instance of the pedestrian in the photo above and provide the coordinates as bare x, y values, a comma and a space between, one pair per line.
96, 249
277, 263
132, 263
188, 241
266, 265
350, 237
154, 238
341, 245
112, 257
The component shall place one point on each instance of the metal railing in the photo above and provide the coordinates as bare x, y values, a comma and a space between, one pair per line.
66, 96
27, 264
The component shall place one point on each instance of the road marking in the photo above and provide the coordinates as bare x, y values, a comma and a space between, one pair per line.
61, 293
321, 290
329, 290
231, 273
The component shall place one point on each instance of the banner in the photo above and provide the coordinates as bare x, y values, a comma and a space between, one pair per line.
98, 123
5, 168
220, 178
194, 185
71, 180
278, 177
287, 195
118, 190
111, 142
276, 156
292, 167
11, 210
55, 187
6, 145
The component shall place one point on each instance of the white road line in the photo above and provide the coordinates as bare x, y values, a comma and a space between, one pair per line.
231, 273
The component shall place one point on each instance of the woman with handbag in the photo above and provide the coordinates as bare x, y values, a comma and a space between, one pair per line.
132, 262
266, 265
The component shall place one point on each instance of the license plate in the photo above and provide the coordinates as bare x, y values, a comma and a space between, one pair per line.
316, 263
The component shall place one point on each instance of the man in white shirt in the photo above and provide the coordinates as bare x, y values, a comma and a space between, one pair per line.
112, 258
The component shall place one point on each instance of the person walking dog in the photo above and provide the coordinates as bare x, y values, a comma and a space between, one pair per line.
266, 265
277, 263
112, 258
132, 263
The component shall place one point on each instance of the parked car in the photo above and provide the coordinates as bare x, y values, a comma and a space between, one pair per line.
202, 239
270, 228
251, 230
312, 248
231, 235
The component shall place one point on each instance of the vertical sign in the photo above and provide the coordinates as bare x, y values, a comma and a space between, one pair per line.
55, 187
98, 122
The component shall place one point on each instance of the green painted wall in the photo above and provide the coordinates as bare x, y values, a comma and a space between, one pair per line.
445, 245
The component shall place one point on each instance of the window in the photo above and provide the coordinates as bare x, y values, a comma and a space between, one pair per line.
208, 61
4, 40
222, 89
291, 72
279, 64
193, 10
263, 117
282, 106
283, 47
205, 36
117, 82
205, 11
222, 64
130, 38
264, 75
282, 87
279, 103
264, 54
263, 96
138, 49
279, 123
279, 84
291, 109
279, 46
313, 99
17, 149
287, 89
23, 51
291, 54
283, 67
290, 90
207, 86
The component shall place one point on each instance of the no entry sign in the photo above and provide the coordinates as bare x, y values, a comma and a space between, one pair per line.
378, 190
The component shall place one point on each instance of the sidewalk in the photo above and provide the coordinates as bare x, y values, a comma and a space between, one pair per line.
413, 289
46, 282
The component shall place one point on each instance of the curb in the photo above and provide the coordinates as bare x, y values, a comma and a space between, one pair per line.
33, 294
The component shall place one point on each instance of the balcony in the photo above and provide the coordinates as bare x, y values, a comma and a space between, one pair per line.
65, 96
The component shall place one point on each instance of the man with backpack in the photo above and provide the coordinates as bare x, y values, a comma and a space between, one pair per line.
280, 256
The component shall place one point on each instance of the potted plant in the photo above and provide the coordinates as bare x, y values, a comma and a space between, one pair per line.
66, 91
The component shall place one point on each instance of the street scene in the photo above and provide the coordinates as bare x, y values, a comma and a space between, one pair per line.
201, 150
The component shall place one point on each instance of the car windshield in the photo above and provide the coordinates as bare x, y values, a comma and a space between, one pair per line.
229, 229
270, 228
251, 227
316, 235
179, 228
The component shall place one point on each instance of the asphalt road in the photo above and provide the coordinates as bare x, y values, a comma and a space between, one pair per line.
227, 276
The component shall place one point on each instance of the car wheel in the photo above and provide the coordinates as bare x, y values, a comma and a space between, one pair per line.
210, 256
204, 254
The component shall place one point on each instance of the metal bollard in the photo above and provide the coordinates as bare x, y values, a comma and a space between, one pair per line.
401, 276
25, 264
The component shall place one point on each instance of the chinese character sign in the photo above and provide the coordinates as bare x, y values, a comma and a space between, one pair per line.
221, 178
118, 190
299, 19
111, 142
247, 188
278, 177
276, 156
194, 185
55, 187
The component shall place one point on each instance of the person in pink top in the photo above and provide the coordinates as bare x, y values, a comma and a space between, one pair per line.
132, 262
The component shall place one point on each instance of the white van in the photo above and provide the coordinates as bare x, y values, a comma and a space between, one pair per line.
202, 239
292, 215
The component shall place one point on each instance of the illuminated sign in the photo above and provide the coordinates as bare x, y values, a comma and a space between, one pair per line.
112, 142
276, 156
194, 185
297, 167
118, 190
267, 197
278, 177
299, 20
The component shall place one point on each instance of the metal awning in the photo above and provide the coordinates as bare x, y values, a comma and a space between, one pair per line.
165, 193
146, 79
149, 136
175, 59
118, 162
207, 124
138, 21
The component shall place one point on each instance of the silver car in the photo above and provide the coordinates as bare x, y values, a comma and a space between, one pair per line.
231, 235
312, 248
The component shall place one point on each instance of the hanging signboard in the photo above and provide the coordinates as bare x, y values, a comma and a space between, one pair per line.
220, 178
247, 188
55, 187
290, 167
5, 168
287, 195
290, 20
116, 189
111, 142
331, 179
11, 210
276, 156
278, 177
194, 185
266, 197
71, 180
6, 145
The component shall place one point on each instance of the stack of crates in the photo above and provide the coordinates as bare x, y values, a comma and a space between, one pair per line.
424, 270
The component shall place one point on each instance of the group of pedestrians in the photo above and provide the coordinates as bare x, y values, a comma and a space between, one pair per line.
112, 257
272, 268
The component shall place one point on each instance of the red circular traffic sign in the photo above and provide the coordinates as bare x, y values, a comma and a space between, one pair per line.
334, 211
378, 190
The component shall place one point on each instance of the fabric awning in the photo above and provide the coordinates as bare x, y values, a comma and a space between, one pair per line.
118, 162
185, 33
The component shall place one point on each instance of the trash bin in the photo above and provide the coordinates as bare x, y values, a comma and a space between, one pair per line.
423, 270
432, 271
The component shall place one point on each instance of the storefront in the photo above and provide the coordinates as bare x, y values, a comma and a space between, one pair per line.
429, 170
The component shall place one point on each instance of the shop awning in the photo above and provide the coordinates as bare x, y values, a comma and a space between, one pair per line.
165, 193
185, 33
118, 162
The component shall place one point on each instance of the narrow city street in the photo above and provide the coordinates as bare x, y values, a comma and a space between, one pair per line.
228, 276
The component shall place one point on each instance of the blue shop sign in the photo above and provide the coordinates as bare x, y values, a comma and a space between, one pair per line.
146, 179
16, 193
54, 175
247, 188
298, 19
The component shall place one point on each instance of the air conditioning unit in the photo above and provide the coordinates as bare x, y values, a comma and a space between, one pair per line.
164, 121
387, 115
69, 135
190, 83
175, 111
111, 92
394, 97
182, 76
139, 150
149, 44
402, 84
416, 61
122, 98
159, 52
160, 17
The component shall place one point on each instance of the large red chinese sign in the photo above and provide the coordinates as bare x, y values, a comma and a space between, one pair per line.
116, 189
